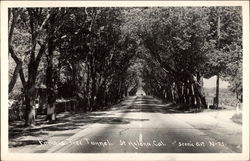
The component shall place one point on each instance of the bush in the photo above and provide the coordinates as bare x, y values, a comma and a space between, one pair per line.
237, 118
16, 108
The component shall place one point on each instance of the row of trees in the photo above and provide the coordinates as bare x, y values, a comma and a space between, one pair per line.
97, 55
75, 52
182, 45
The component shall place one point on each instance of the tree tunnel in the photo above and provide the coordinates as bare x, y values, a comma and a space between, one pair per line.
99, 55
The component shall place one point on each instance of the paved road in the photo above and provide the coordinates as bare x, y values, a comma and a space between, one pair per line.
145, 125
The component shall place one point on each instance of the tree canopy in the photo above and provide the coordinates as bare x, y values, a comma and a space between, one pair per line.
98, 55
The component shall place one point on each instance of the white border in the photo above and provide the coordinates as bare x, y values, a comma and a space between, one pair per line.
120, 156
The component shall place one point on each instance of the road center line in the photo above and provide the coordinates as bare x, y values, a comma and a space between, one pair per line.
140, 138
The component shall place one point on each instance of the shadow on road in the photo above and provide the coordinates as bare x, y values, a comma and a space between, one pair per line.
67, 122
152, 105
19, 135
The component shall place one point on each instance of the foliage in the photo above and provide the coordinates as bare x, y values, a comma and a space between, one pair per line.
225, 44
99, 55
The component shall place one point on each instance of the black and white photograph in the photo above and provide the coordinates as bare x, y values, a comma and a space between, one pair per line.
137, 79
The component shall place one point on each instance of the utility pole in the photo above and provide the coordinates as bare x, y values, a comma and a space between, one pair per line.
216, 101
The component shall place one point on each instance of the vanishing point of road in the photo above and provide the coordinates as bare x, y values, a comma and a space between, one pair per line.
143, 124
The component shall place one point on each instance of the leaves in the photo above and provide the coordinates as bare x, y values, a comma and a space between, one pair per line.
105, 51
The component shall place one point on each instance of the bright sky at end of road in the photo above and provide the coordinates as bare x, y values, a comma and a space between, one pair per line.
140, 92
211, 83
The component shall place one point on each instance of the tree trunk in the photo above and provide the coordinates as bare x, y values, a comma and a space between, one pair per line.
169, 95
191, 95
180, 96
50, 82
15, 76
29, 88
216, 103
88, 88
30, 96
173, 91
186, 94
18, 69
93, 84
197, 85
30, 91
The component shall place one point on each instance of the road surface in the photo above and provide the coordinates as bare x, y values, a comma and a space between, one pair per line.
144, 124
